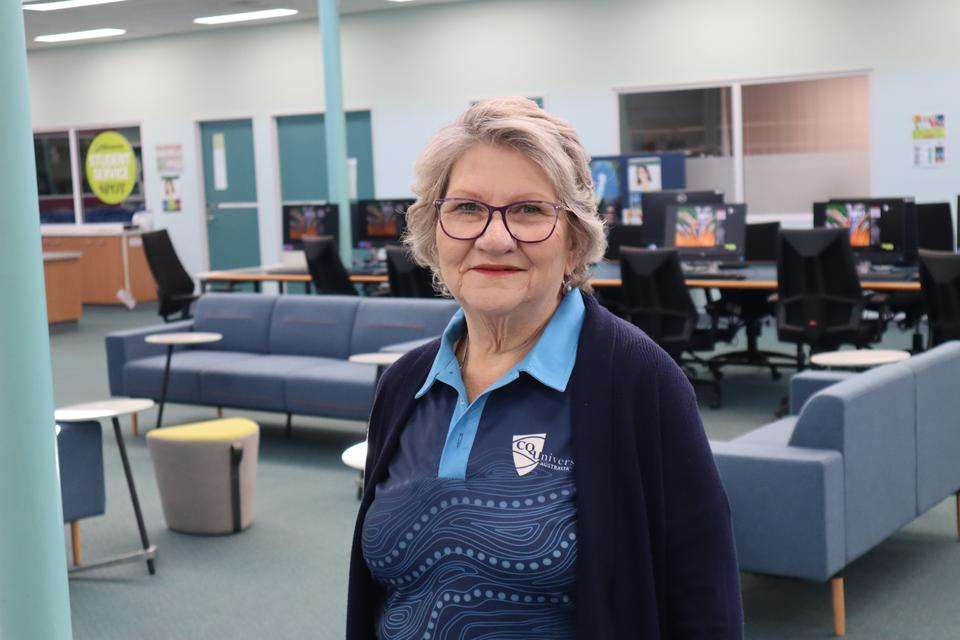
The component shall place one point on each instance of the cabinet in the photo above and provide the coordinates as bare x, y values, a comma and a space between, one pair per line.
108, 265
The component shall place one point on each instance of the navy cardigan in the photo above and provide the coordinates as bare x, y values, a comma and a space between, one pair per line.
656, 554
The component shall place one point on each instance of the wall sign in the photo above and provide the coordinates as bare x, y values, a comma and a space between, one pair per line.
170, 166
929, 140
111, 167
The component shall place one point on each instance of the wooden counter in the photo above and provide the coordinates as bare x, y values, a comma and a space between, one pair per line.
62, 277
111, 260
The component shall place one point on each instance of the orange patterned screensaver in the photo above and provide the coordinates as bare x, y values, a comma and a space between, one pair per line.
697, 226
381, 221
854, 216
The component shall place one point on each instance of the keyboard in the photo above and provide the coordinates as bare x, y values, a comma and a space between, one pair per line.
893, 276
710, 275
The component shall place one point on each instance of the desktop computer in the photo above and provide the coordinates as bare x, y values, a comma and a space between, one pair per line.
308, 219
377, 223
882, 231
654, 206
706, 234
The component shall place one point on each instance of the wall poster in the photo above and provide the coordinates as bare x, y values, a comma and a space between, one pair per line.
170, 166
929, 140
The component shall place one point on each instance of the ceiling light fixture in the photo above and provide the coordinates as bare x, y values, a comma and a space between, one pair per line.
244, 17
64, 4
81, 35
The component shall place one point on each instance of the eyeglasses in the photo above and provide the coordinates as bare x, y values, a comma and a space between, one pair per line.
528, 221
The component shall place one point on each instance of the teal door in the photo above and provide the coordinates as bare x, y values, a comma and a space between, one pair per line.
229, 180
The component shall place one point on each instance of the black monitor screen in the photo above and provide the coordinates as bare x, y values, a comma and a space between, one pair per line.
654, 209
308, 220
377, 223
707, 231
876, 227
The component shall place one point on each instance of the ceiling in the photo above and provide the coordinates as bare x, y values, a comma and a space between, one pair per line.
145, 18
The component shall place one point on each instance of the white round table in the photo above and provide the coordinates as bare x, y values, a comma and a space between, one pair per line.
113, 409
858, 358
171, 340
355, 457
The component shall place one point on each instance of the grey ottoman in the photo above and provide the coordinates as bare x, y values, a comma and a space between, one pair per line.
206, 473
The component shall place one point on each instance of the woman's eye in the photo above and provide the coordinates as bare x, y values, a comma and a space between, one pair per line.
468, 207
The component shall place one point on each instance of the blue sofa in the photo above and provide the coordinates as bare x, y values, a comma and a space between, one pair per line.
861, 456
279, 353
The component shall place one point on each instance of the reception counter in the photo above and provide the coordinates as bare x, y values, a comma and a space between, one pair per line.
112, 263
62, 277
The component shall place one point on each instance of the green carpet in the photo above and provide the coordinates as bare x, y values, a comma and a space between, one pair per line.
286, 576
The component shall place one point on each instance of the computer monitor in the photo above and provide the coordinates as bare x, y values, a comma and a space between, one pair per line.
377, 223
623, 235
707, 231
654, 210
880, 230
308, 219
935, 226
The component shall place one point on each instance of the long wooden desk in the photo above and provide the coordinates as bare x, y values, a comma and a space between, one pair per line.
760, 277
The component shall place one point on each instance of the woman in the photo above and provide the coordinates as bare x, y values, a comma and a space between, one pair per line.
541, 470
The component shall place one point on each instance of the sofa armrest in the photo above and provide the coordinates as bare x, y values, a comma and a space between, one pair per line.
806, 383
124, 346
787, 505
410, 345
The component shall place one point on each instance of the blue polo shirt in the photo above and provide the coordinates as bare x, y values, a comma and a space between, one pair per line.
473, 531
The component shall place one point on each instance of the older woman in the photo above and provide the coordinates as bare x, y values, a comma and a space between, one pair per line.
540, 471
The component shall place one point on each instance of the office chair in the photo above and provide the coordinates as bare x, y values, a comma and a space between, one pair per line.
940, 282
619, 235
407, 278
174, 285
820, 301
327, 272
751, 307
655, 299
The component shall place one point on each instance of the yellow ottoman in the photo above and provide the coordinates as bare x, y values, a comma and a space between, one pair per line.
206, 473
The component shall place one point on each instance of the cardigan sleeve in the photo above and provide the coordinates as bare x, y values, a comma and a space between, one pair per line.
703, 582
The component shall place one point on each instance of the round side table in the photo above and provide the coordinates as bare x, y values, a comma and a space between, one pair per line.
113, 409
355, 457
858, 358
172, 340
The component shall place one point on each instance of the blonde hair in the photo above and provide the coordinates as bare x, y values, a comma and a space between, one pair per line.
548, 141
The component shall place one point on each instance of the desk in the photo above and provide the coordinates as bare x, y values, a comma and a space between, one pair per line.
62, 278
281, 274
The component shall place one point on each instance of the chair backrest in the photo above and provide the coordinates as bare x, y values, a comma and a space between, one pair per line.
326, 269
820, 299
655, 296
623, 235
168, 272
761, 242
407, 278
935, 226
940, 281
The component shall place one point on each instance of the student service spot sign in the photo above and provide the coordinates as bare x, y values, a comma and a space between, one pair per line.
111, 167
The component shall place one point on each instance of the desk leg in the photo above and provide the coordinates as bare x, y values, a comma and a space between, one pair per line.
163, 386
280, 286
133, 492
257, 288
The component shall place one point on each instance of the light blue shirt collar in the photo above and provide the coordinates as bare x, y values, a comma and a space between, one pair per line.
550, 361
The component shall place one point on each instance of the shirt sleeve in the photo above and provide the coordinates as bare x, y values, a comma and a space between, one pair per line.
703, 581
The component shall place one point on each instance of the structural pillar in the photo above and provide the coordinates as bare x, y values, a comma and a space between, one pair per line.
335, 124
34, 598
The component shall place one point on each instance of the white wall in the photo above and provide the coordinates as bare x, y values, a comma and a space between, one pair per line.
419, 67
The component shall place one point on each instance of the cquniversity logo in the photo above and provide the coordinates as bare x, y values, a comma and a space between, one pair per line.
526, 452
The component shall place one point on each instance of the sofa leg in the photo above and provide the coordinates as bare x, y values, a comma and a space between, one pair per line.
219, 412
75, 543
839, 607
289, 425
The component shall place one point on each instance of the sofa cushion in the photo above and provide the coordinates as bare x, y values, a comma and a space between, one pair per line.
313, 325
776, 433
144, 377
383, 321
256, 382
242, 318
333, 388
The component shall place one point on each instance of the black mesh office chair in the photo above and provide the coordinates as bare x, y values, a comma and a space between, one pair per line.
820, 301
174, 285
940, 280
327, 272
751, 307
407, 278
655, 299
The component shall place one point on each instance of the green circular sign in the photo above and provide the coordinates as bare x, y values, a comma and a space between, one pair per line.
111, 167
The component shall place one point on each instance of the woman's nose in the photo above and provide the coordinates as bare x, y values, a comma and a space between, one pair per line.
496, 237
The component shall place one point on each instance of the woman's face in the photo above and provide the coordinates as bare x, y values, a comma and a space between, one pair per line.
494, 274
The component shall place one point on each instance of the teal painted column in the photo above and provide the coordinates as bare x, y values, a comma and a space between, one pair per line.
335, 123
34, 599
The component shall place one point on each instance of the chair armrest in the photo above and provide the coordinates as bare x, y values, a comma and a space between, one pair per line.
410, 345
806, 383
124, 346
787, 505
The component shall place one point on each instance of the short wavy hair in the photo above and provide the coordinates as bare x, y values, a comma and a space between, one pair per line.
548, 141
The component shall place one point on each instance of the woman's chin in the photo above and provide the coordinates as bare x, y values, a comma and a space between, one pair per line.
492, 301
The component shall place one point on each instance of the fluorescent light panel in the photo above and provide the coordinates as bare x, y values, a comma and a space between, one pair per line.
64, 4
80, 35
244, 17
